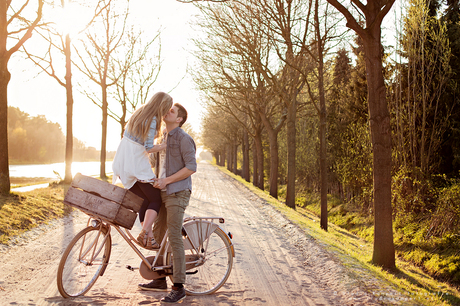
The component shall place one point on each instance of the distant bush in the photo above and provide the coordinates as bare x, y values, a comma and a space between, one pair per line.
446, 218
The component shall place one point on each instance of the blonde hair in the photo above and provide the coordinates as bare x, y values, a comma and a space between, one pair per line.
158, 106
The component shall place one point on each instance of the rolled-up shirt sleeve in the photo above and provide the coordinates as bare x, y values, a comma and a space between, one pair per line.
188, 149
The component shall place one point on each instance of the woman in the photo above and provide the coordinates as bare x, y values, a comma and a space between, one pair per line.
131, 163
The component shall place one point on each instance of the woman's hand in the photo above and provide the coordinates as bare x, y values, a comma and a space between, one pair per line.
160, 183
157, 148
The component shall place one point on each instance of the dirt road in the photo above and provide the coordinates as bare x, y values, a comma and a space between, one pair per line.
270, 268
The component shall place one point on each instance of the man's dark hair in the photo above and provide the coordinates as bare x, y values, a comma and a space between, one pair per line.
182, 113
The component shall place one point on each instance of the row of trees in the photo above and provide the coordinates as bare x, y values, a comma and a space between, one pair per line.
37, 140
283, 79
118, 62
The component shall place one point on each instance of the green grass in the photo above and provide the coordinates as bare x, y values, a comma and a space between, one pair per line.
355, 253
20, 212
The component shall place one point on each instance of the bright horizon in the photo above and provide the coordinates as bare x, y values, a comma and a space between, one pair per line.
42, 95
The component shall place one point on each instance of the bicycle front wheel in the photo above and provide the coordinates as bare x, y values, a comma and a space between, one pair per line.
83, 261
216, 263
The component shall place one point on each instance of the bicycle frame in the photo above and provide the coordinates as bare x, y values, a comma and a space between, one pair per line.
209, 251
195, 241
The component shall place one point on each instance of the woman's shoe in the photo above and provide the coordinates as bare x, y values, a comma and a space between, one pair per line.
146, 242
142, 238
152, 244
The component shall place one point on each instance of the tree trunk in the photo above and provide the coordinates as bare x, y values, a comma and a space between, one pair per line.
5, 77
274, 162
229, 157
4, 80
322, 153
104, 132
260, 162
274, 154
69, 98
245, 149
255, 164
291, 150
379, 117
224, 157
322, 122
235, 158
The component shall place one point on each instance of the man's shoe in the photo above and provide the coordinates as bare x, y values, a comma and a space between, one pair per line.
175, 295
155, 285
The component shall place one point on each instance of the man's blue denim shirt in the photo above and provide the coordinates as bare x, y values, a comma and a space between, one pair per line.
180, 153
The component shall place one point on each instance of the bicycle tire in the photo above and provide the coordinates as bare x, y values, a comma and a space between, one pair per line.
212, 275
75, 278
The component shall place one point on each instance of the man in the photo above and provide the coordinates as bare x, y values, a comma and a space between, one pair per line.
176, 167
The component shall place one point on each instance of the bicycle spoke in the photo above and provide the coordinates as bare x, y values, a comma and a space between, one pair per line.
215, 269
83, 261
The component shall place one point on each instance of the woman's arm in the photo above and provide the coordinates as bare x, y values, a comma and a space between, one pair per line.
148, 142
157, 148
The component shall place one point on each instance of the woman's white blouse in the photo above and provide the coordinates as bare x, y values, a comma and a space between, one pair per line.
131, 163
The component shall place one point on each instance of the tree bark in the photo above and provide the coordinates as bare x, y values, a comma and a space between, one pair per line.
274, 159
229, 157
69, 99
104, 132
5, 77
223, 157
235, 158
291, 151
4, 80
322, 122
255, 164
379, 117
245, 149
260, 162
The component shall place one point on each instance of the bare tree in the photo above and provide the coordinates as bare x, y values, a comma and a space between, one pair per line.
286, 26
136, 70
15, 30
96, 61
228, 79
269, 39
62, 43
325, 27
379, 117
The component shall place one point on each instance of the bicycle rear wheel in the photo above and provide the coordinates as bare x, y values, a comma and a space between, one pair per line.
83, 261
212, 273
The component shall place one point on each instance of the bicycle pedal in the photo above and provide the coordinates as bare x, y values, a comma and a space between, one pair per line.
130, 268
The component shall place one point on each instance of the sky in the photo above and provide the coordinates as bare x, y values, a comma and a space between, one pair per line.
42, 95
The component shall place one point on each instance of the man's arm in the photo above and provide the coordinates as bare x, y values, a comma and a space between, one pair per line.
178, 176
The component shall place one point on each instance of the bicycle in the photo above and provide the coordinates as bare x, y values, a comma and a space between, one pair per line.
209, 252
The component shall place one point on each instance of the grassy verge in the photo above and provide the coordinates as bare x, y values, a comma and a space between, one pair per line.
355, 253
20, 212
25, 181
